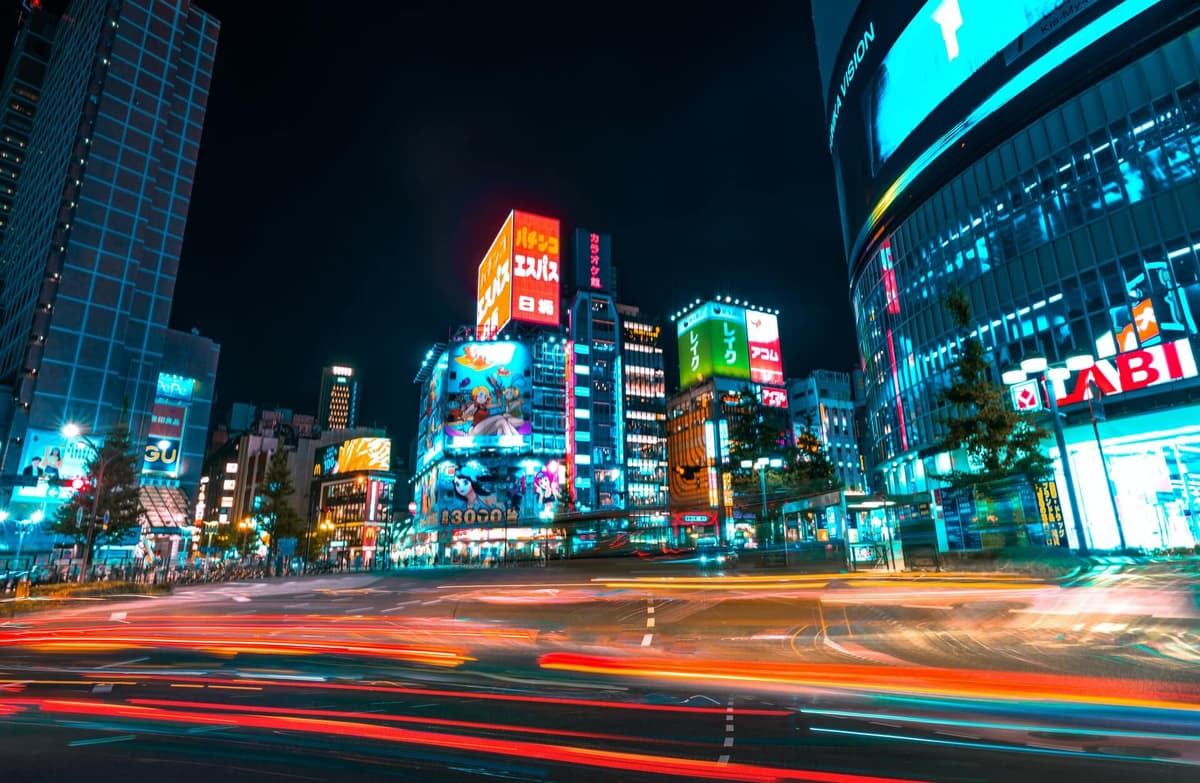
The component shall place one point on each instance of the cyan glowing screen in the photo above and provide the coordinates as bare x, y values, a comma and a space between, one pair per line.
947, 42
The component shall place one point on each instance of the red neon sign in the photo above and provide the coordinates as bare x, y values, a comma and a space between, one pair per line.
1134, 370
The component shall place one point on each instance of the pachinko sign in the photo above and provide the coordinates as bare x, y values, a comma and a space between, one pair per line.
519, 276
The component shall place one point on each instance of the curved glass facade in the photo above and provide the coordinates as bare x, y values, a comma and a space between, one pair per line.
1078, 233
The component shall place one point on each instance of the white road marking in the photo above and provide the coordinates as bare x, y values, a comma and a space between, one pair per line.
118, 617
649, 622
102, 687
241, 599
647, 639
724, 759
650, 609
729, 742
728, 727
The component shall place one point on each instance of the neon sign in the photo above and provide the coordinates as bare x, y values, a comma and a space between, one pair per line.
1133, 370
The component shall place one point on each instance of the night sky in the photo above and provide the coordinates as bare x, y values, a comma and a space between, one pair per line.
358, 159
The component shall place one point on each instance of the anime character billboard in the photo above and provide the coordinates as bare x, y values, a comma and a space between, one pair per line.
486, 393
496, 490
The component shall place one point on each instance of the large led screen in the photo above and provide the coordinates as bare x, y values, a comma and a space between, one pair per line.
487, 394
906, 89
712, 342
355, 454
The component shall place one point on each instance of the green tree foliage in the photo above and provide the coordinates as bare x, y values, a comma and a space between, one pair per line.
757, 432
999, 441
111, 488
275, 512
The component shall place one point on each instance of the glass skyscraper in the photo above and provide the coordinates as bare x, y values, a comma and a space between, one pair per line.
1055, 179
90, 251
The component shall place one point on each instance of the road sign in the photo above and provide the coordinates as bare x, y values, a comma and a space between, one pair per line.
1025, 396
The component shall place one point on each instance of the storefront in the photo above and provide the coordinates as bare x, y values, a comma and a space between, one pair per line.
1138, 476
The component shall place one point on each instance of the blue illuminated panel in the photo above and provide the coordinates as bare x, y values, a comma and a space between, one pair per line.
947, 42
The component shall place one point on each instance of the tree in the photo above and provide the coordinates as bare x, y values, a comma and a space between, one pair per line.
755, 433
110, 490
275, 509
999, 441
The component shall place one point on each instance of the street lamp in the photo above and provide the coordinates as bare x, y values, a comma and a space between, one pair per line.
1041, 371
72, 431
245, 526
23, 527
761, 464
327, 527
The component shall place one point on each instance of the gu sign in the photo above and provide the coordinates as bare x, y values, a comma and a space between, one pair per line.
1131, 371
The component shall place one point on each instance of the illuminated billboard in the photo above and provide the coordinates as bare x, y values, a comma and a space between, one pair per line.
487, 395
535, 275
493, 303
519, 276
495, 491
48, 462
161, 453
429, 430
160, 456
713, 343
354, 454
593, 261
762, 334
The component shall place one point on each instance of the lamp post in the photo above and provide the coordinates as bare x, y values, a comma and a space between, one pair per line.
1037, 367
23, 527
245, 526
327, 528
74, 432
761, 464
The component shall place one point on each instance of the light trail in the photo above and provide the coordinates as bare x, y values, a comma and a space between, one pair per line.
523, 749
982, 684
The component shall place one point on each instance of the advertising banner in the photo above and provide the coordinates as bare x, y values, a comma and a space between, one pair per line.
695, 349
535, 269
160, 456
497, 491
493, 303
762, 333
713, 342
48, 463
487, 390
354, 454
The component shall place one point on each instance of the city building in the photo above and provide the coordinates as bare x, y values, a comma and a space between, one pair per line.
20, 96
595, 379
1046, 162
490, 468
644, 395
353, 494
106, 106
726, 348
822, 405
337, 408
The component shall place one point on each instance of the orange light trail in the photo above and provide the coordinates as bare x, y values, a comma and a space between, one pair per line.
901, 679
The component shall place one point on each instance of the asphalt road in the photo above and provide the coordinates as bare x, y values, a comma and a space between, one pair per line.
621, 670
